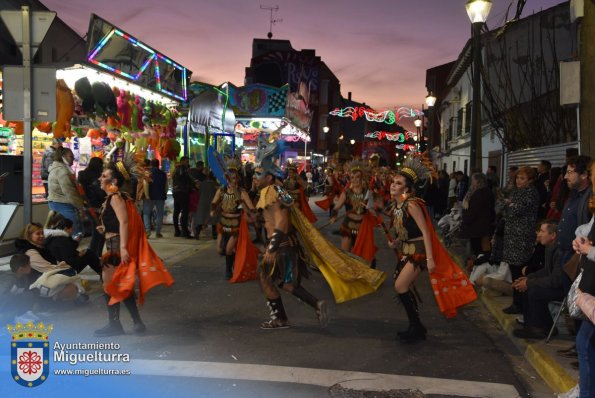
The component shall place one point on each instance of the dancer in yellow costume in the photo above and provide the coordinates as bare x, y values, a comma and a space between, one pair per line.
292, 239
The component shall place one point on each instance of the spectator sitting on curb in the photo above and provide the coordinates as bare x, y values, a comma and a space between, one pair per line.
64, 248
541, 287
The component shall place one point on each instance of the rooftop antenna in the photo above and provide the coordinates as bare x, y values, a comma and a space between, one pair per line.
271, 21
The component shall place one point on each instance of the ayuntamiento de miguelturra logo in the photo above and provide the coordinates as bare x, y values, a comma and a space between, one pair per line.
30, 353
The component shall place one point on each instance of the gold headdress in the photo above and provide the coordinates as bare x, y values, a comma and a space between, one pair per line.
290, 166
419, 167
130, 167
357, 165
234, 164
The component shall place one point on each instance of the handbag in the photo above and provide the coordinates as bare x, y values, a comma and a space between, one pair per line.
573, 308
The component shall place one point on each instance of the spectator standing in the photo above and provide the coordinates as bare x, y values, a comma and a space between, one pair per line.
520, 220
492, 178
462, 185
542, 184
452, 191
442, 199
478, 215
182, 184
560, 189
47, 160
157, 196
207, 191
94, 197
63, 196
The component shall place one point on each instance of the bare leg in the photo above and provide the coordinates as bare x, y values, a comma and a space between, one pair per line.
346, 243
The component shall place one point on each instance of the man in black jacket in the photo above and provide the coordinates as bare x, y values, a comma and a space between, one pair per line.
541, 287
182, 184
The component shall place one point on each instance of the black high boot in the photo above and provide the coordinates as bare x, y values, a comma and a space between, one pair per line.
319, 305
229, 260
416, 331
130, 303
114, 327
214, 231
373, 263
278, 315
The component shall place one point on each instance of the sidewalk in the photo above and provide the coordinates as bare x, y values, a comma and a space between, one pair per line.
555, 370
169, 248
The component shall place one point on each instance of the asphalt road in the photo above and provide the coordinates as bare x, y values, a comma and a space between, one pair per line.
203, 339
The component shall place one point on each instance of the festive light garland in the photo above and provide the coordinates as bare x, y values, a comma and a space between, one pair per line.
399, 137
388, 117
154, 56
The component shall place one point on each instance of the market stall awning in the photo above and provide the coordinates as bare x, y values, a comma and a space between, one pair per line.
208, 109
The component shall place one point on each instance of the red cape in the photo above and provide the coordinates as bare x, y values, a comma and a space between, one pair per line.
364, 243
305, 207
246, 262
144, 262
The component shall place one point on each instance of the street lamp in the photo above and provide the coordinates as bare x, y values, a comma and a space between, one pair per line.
325, 129
430, 101
352, 142
417, 122
478, 11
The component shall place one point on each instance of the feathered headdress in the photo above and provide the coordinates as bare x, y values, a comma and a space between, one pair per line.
234, 164
130, 167
357, 165
419, 168
290, 166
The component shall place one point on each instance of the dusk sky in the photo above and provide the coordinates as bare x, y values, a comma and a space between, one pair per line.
378, 49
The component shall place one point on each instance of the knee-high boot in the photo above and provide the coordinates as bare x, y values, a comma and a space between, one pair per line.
278, 315
319, 305
416, 330
113, 327
130, 304
229, 260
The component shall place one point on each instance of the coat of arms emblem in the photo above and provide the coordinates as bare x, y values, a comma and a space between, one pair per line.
30, 353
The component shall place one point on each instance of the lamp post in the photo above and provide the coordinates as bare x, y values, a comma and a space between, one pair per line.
417, 122
430, 101
478, 11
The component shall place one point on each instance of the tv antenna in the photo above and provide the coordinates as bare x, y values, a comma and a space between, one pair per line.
271, 21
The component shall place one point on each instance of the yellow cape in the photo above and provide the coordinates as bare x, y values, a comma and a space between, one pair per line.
348, 276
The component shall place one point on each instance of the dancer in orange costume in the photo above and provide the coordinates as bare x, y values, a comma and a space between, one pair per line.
419, 250
228, 201
128, 252
357, 227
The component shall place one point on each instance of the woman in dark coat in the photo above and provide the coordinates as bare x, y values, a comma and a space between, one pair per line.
520, 223
478, 215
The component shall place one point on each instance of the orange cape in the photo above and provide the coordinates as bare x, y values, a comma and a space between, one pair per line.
452, 289
364, 246
144, 262
246, 262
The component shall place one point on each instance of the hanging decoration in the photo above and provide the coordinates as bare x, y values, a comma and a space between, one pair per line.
388, 117
399, 137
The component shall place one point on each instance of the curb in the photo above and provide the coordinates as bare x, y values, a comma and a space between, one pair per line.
550, 370
555, 376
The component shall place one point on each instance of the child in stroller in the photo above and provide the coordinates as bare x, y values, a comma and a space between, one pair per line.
450, 224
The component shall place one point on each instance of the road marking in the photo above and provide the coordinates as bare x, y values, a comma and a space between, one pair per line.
321, 377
